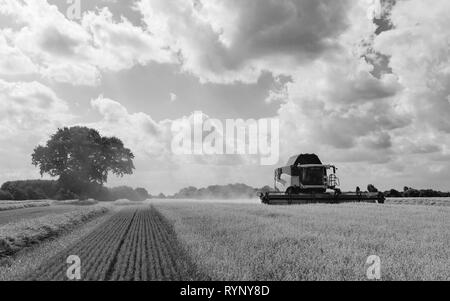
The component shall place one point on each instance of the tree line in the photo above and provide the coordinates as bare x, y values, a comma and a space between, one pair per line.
409, 192
230, 191
49, 189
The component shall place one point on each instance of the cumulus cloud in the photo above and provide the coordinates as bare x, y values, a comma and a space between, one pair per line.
121, 45
13, 61
155, 141
419, 50
29, 113
62, 50
340, 104
29, 107
138, 130
227, 41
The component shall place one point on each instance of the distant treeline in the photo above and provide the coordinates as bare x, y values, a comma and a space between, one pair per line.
230, 191
409, 192
47, 189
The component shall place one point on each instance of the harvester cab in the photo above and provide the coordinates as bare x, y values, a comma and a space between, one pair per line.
305, 174
306, 180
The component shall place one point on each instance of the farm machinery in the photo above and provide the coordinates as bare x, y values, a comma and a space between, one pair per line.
306, 180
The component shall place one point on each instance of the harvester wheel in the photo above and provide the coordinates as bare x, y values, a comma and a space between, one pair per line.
290, 190
381, 198
264, 197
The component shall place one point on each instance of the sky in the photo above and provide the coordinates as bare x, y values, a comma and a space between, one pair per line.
365, 84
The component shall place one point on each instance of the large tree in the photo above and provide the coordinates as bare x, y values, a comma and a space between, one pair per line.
82, 158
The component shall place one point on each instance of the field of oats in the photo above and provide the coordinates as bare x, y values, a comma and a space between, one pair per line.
313, 242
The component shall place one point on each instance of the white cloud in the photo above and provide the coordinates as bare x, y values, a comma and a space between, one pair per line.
121, 45
339, 107
66, 51
153, 140
227, 41
13, 61
28, 108
138, 130
420, 55
29, 113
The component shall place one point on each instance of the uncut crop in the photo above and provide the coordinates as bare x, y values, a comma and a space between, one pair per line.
420, 201
134, 244
313, 242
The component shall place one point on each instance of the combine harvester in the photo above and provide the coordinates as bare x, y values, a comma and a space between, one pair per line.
306, 180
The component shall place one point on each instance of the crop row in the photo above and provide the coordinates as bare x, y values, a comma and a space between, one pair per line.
134, 244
